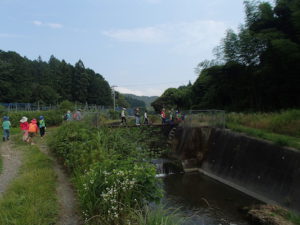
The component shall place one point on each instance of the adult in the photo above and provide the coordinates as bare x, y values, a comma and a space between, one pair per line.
163, 116
123, 117
137, 116
146, 121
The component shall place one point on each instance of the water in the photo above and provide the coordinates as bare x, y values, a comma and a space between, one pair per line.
204, 200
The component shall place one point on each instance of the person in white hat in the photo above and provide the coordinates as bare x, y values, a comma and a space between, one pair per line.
24, 127
123, 117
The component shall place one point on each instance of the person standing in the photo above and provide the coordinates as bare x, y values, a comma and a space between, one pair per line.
6, 128
68, 116
146, 121
123, 117
137, 116
163, 116
32, 131
42, 126
24, 127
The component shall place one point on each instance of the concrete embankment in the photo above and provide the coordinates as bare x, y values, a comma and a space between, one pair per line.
259, 168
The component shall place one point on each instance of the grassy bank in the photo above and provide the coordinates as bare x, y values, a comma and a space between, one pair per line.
282, 128
112, 178
31, 197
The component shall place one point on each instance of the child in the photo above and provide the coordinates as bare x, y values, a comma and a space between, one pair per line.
42, 126
32, 130
24, 127
6, 127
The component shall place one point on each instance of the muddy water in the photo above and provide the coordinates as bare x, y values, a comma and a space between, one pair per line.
205, 201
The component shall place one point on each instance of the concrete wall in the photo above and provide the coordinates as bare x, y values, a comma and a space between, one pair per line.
266, 171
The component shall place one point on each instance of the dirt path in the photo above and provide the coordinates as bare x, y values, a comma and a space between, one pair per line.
68, 205
12, 160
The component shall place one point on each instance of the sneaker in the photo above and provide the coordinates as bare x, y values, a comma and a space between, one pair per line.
3, 138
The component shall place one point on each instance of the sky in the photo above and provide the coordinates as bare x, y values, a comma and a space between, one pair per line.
141, 46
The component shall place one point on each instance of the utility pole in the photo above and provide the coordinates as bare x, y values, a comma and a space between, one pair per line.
114, 93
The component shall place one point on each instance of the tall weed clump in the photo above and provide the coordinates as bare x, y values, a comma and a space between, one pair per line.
109, 168
286, 122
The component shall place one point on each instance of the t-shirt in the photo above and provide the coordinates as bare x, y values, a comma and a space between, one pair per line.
6, 125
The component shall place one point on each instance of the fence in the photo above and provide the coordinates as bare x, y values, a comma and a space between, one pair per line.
211, 118
191, 118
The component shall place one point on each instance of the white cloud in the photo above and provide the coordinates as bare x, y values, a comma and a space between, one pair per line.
142, 35
37, 23
188, 37
144, 92
54, 25
51, 25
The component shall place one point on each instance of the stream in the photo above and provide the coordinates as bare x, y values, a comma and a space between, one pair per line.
203, 200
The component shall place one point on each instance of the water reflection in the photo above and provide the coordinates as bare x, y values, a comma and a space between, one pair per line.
204, 200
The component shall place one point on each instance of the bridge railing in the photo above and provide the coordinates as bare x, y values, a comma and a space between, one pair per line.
211, 118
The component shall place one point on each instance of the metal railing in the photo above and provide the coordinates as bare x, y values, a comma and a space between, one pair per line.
211, 118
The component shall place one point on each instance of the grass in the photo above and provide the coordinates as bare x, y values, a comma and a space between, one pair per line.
285, 122
158, 216
279, 139
31, 197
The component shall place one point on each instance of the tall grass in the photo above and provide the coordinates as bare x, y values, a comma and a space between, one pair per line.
31, 197
285, 122
159, 215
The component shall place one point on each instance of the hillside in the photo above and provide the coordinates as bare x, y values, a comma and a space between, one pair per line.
49, 82
147, 99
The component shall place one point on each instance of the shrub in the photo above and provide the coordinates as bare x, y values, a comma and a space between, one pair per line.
109, 169
52, 118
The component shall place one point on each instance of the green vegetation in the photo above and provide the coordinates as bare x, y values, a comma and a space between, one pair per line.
52, 118
280, 128
24, 80
158, 216
255, 69
31, 197
146, 99
286, 122
109, 170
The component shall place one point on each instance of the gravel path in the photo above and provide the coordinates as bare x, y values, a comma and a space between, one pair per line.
68, 205
12, 160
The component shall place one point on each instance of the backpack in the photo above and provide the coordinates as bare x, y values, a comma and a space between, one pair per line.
32, 128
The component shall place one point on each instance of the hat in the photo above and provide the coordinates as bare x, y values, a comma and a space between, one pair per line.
5, 118
33, 121
24, 119
124, 108
41, 117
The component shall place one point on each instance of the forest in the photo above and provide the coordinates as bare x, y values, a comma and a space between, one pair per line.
28, 81
254, 69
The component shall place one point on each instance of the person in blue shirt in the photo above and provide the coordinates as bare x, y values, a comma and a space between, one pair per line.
6, 128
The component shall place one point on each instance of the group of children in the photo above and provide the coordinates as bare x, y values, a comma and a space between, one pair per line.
29, 129
176, 117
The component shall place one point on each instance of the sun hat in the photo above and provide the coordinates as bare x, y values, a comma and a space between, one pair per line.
24, 119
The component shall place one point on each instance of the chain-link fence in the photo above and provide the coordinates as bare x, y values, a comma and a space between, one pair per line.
211, 118
191, 118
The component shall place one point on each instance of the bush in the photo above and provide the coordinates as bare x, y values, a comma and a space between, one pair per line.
52, 118
109, 169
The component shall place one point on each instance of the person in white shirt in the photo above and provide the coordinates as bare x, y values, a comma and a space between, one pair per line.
123, 117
